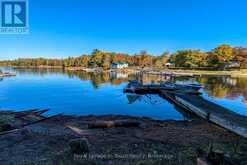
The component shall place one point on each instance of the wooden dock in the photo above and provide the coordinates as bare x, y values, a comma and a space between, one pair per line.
192, 102
210, 111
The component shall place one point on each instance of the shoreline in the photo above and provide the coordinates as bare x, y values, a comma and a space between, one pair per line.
172, 72
152, 71
113, 137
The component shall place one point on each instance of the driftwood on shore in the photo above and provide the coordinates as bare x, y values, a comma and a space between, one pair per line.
114, 124
34, 113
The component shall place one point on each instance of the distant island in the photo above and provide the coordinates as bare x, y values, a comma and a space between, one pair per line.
221, 57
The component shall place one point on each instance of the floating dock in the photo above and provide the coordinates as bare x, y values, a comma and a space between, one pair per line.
193, 103
156, 89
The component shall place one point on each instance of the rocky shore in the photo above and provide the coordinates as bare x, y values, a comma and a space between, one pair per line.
152, 71
29, 137
168, 72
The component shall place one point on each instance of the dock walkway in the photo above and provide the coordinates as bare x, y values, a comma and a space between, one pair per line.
210, 111
192, 102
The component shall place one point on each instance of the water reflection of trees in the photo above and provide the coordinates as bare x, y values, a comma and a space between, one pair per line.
100, 78
155, 100
37, 71
148, 78
96, 78
218, 87
225, 87
147, 98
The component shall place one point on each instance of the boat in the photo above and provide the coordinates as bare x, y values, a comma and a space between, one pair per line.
135, 87
167, 86
132, 85
195, 87
134, 82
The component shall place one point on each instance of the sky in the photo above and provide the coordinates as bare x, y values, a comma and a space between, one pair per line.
62, 28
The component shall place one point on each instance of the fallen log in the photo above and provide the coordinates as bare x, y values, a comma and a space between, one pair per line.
28, 124
114, 124
34, 112
18, 113
41, 120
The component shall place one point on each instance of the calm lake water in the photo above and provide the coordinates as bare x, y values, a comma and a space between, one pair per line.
80, 93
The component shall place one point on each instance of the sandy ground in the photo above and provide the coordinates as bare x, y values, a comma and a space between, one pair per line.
151, 142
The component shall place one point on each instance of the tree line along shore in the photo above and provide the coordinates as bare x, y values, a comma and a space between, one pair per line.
221, 57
